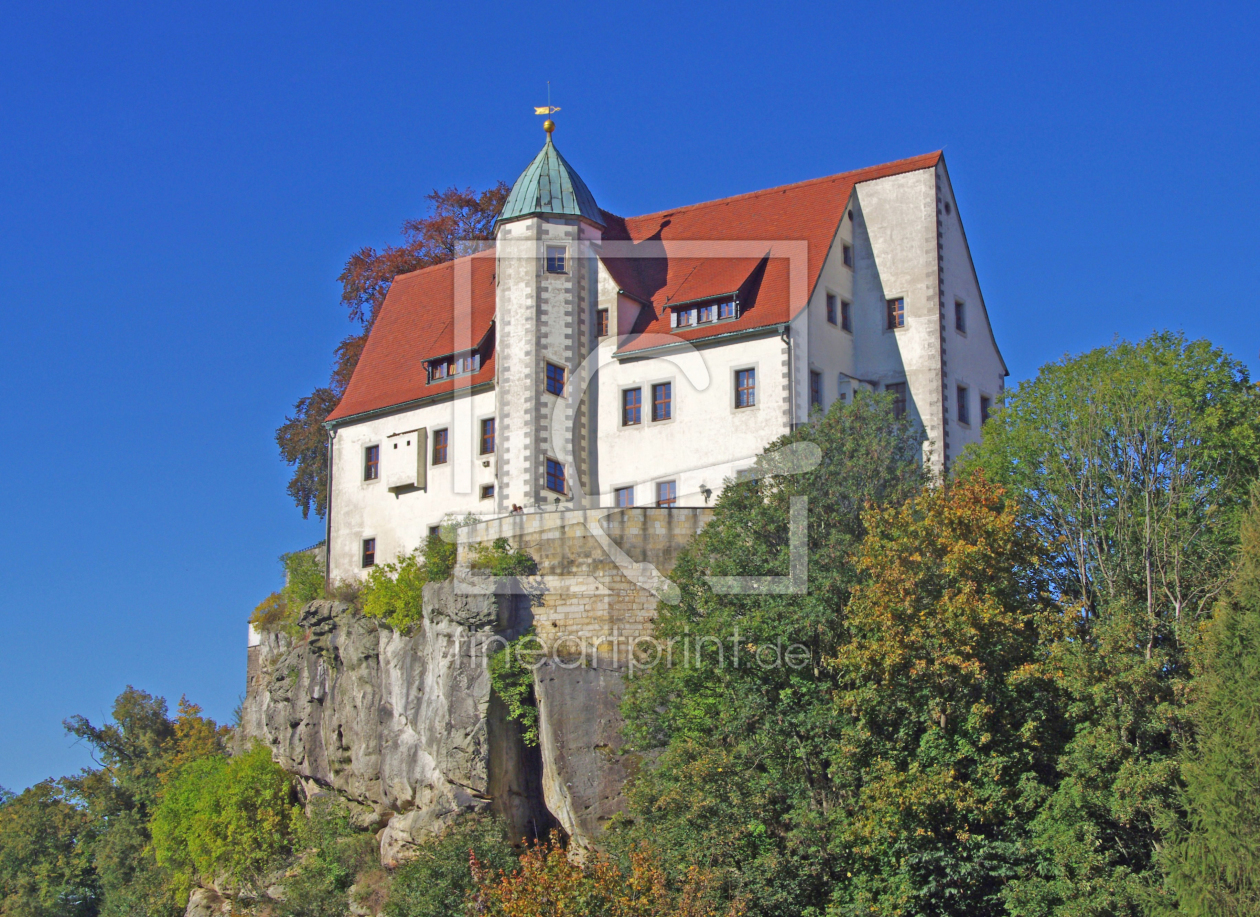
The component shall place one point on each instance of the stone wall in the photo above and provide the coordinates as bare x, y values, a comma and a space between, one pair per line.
602, 572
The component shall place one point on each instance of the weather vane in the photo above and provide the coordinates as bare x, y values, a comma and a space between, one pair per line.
547, 110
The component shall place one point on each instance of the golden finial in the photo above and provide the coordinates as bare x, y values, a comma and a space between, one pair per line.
548, 110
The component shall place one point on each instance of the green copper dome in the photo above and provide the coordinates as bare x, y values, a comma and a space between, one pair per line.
550, 187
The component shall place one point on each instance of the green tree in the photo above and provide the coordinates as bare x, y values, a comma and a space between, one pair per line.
457, 221
333, 853
45, 870
743, 786
436, 880
1214, 858
1132, 462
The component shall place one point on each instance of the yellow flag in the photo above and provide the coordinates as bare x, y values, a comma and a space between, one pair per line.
545, 110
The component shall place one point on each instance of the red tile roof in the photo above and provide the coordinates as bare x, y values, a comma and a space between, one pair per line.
651, 259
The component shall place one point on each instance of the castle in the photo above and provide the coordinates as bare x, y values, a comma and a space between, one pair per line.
588, 360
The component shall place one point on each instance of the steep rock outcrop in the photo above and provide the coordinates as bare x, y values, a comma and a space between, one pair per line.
405, 726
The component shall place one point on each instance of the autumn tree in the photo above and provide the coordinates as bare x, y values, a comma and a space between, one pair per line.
457, 222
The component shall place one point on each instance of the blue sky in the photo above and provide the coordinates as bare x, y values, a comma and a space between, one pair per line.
179, 190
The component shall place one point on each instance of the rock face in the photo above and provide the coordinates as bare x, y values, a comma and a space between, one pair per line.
405, 726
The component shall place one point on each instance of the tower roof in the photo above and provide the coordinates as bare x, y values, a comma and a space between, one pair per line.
549, 186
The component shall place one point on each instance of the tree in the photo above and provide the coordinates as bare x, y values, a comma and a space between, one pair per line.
1132, 462
1214, 858
743, 786
437, 879
457, 222
44, 867
949, 715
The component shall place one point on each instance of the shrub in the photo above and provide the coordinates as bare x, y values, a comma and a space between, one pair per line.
499, 559
436, 882
334, 854
304, 577
512, 677
394, 592
225, 816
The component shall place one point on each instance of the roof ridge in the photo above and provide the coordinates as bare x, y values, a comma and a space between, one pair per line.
809, 181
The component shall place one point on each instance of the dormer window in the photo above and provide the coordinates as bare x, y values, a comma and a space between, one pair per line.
685, 317
458, 364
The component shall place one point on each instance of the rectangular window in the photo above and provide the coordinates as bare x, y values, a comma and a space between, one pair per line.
964, 405
666, 493
435, 531
369, 552
831, 308
846, 315
441, 446
662, 401
815, 389
601, 323
898, 390
487, 491
986, 405
960, 316
896, 313
745, 388
555, 259
623, 496
555, 379
555, 476
847, 251
708, 313
726, 309
487, 435
371, 463
686, 317
631, 407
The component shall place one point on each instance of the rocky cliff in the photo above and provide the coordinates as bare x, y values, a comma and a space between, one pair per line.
407, 728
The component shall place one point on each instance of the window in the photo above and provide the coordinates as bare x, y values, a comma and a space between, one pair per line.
685, 317
371, 463
487, 491
896, 313
745, 388
708, 313
601, 323
555, 259
441, 440
846, 315
487, 435
898, 390
960, 316
831, 308
555, 379
847, 251
964, 405
454, 365
726, 309
624, 496
815, 388
369, 552
986, 405
435, 531
662, 401
631, 407
555, 476
666, 493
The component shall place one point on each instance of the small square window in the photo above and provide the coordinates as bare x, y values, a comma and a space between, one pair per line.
487, 491
708, 313
555, 476
371, 463
847, 251
900, 401
686, 317
631, 407
666, 493
601, 323
964, 405
487, 435
986, 406
555, 379
623, 496
846, 315
831, 308
745, 388
369, 552
435, 531
441, 446
555, 259
960, 316
726, 309
815, 388
896, 313
662, 401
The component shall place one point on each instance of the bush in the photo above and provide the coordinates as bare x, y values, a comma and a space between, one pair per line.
394, 592
512, 677
334, 854
304, 582
219, 816
436, 881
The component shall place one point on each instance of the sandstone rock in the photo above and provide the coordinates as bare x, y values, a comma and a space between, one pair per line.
206, 902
